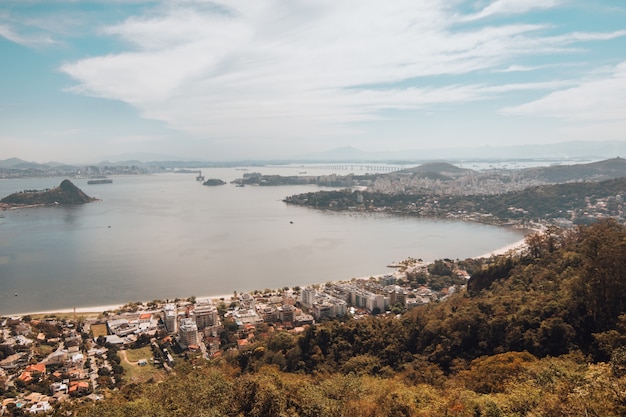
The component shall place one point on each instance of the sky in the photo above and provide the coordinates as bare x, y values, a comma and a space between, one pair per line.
81, 80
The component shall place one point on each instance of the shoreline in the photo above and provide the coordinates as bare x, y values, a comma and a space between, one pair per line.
515, 246
99, 309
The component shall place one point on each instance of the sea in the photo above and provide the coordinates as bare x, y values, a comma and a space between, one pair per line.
167, 236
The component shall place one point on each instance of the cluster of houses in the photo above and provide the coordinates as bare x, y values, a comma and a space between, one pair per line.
43, 363
72, 363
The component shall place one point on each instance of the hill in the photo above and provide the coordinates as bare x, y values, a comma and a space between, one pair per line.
435, 170
595, 171
65, 194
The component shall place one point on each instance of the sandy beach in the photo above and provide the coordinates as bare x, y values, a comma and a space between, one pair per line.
111, 307
505, 249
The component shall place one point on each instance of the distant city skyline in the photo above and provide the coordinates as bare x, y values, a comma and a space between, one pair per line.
216, 80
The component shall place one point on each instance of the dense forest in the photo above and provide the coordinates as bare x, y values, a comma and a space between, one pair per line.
539, 333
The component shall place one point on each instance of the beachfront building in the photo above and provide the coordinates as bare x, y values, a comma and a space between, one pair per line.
205, 314
170, 314
206, 317
308, 296
246, 301
187, 333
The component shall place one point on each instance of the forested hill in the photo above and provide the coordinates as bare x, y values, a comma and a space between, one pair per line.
540, 333
572, 201
65, 193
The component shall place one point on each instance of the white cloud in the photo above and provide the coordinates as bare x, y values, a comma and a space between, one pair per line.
601, 99
506, 7
251, 68
9, 33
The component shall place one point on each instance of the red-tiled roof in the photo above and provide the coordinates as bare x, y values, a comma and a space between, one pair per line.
39, 367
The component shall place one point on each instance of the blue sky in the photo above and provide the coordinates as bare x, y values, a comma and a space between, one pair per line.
81, 80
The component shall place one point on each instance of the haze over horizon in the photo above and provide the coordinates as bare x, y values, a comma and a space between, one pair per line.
213, 80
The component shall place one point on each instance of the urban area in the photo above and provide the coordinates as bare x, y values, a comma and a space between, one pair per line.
49, 359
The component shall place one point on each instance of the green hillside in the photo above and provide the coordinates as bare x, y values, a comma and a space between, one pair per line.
65, 193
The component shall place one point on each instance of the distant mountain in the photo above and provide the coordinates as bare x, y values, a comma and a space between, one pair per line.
563, 151
17, 163
65, 194
595, 171
137, 158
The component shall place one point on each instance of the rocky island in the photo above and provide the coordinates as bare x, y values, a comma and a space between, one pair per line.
65, 194
214, 182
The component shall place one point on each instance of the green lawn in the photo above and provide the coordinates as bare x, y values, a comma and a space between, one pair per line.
135, 373
134, 355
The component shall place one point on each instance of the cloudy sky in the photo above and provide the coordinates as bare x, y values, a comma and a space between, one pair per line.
237, 79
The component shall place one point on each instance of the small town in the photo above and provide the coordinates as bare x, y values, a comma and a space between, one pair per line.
47, 360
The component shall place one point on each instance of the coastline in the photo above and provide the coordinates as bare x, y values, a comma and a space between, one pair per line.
515, 246
99, 309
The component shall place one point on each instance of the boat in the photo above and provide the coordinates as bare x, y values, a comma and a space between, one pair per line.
100, 181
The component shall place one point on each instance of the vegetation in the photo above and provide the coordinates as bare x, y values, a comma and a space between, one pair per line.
536, 334
541, 203
136, 373
65, 193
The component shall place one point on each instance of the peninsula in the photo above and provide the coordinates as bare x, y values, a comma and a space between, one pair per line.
65, 194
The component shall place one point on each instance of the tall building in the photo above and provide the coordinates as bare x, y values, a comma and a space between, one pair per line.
308, 296
187, 333
170, 317
205, 315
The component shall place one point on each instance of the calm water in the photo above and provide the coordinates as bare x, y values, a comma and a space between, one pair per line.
167, 236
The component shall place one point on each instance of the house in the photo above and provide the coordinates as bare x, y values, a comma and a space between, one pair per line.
56, 387
145, 318
39, 367
26, 377
57, 358
32, 372
78, 387
41, 407
14, 361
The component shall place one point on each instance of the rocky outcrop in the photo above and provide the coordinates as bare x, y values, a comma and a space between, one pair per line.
65, 194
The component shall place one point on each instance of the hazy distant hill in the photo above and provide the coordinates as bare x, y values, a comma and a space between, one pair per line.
564, 151
66, 193
17, 163
595, 171
442, 169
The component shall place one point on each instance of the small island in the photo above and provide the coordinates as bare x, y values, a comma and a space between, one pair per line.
100, 181
65, 194
213, 182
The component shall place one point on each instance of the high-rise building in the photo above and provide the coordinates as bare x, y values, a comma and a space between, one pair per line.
308, 296
170, 314
205, 315
187, 333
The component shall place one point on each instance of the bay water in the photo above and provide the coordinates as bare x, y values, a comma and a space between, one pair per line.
165, 236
